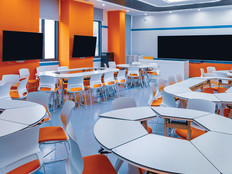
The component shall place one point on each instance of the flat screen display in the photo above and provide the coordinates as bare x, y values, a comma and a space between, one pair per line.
18, 46
84, 46
199, 47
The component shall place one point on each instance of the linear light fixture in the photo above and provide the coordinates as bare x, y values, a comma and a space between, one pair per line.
174, 1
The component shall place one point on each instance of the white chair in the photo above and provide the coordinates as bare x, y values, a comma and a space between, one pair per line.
5, 92
168, 100
95, 86
20, 150
201, 105
75, 164
121, 78
48, 84
153, 72
24, 73
76, 86
12, 79
179, 78
202, 72
133, 73
109, 82
123, 102
112, 64
210, 69
51, 135
42, 98
171, 80
21, 92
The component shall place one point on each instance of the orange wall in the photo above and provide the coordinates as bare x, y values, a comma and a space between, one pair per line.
18, 15
194, 68
76, 19
116, 35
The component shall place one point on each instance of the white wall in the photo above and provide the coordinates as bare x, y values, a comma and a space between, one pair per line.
145, 42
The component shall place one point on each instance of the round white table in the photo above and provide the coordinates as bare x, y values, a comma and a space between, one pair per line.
16, 115
129, 141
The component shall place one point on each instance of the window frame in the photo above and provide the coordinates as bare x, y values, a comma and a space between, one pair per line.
99, 38
56, 32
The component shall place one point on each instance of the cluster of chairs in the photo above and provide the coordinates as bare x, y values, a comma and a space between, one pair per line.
26, 156
162, 98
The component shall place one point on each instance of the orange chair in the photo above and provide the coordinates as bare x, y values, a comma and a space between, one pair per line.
56, 134
208, 90
201, 105
21, 92
97, 164
195, 133
157, 98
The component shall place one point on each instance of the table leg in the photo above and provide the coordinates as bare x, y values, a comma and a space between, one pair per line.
165, 126
118, 164
189, 130
144, 123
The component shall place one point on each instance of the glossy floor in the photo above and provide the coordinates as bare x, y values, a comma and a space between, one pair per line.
83, 122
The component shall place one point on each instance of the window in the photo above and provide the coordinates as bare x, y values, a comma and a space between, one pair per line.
97, 33
49, 28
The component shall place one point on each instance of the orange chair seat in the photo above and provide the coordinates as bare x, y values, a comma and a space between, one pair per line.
98, 164
226, 112
15, 94
52, 134
156, 102
195, 133
134, 75
152, 73
26, 168
47, 89
109, 83
149, 130
74, 89
121, 81
208, 90
95, 86
32, 81
221, 90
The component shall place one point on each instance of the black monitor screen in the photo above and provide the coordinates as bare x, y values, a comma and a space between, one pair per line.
22, 46
84, 46
205, 47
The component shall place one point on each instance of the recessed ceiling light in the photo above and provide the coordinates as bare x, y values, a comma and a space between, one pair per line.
127, 10
198, 9
170, 11
145, 14
103, 4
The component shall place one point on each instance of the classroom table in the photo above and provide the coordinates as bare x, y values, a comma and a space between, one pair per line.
208, 153
16, 115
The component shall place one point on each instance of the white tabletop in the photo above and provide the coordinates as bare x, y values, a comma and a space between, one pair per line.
140, 66
11, 104
198, 95
56, 74
25, 115
216, 123
111, 133
216, 147
179, 113
224, 97
135, 113
7, 127
165, 154
18, 115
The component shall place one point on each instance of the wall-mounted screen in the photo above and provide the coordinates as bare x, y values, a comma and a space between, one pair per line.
200, 47
84, 46
18, 46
